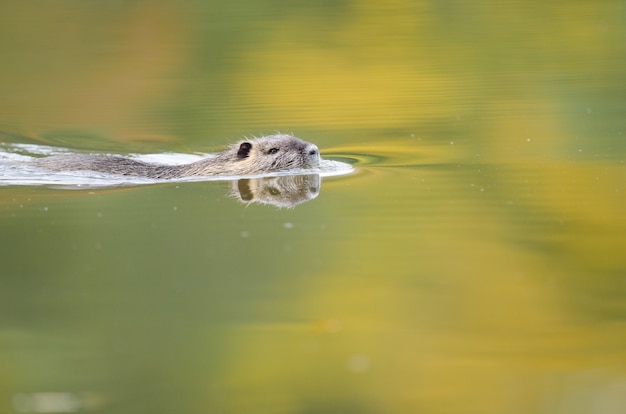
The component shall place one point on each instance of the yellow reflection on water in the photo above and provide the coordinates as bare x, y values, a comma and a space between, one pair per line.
473, 297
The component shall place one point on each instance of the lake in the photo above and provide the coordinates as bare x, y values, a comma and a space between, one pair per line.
474, 260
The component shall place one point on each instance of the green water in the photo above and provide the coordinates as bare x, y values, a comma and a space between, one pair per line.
475, 261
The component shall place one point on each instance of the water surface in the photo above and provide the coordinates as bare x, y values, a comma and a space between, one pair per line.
473, 262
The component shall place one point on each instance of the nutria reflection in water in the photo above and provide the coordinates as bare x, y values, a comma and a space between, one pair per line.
283, 191
267, 154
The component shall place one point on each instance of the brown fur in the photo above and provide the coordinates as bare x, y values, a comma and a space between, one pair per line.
248, 157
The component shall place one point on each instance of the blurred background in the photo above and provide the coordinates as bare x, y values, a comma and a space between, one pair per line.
475, 262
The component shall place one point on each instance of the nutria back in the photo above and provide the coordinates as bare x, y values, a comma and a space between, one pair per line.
267, 154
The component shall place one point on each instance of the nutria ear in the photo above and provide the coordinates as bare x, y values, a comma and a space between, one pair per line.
244, 150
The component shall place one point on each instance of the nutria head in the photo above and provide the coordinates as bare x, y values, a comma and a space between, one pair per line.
275, 153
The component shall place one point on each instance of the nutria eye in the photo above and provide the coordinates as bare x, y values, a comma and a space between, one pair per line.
272, 151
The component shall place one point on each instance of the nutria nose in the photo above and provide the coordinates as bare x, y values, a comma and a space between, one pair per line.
313, 155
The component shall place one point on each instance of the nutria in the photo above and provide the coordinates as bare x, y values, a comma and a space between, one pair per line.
248, 157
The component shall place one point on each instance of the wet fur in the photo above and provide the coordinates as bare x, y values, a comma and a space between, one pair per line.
248, 157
